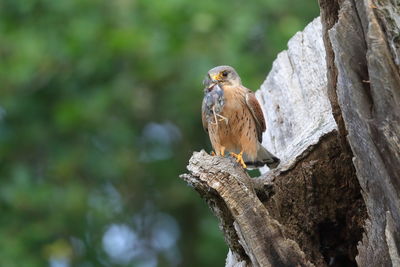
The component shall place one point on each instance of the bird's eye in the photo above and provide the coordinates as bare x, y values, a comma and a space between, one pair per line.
224, 73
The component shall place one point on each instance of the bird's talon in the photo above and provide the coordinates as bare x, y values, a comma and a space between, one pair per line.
239, 159
213, 153
222, 118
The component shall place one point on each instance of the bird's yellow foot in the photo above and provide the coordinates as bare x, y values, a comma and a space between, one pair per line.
239, 159
212, 153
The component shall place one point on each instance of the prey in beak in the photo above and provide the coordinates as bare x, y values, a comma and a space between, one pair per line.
209, 82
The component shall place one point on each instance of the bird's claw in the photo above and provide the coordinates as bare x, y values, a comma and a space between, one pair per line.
239, 159
222, 118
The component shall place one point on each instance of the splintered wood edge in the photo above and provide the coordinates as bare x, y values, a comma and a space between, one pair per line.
203, 168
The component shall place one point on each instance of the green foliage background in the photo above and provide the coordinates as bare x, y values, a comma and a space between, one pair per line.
99, 113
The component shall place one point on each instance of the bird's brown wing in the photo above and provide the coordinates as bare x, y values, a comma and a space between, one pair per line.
256, 111
203, 116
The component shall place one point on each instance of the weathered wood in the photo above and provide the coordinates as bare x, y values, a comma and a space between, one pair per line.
257, 232
318, 199
366, 58
294, 97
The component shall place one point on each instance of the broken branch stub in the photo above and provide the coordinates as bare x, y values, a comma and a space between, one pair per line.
252, 234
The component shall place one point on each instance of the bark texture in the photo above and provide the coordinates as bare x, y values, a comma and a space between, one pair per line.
365, 49
332, 106
252, 234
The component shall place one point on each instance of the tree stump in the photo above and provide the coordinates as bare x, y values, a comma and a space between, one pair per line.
331, 103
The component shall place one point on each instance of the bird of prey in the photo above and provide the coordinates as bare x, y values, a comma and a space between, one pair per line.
234, 120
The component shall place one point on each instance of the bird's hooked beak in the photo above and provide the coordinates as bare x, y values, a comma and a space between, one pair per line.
216, 77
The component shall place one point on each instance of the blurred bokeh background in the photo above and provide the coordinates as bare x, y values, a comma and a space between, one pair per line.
99, 114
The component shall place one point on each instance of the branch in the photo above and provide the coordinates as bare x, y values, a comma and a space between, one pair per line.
253, 236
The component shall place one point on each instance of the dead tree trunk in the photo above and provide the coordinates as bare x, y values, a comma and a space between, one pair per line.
364, 54
332, 104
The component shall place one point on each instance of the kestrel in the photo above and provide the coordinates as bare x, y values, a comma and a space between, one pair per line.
233, 119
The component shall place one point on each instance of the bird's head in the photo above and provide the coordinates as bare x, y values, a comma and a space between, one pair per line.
224, 75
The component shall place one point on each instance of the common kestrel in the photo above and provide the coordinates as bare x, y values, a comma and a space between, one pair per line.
233, 119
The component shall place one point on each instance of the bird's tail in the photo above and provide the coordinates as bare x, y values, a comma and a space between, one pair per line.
264, 157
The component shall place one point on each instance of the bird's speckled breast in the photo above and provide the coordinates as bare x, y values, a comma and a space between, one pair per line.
238, 132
